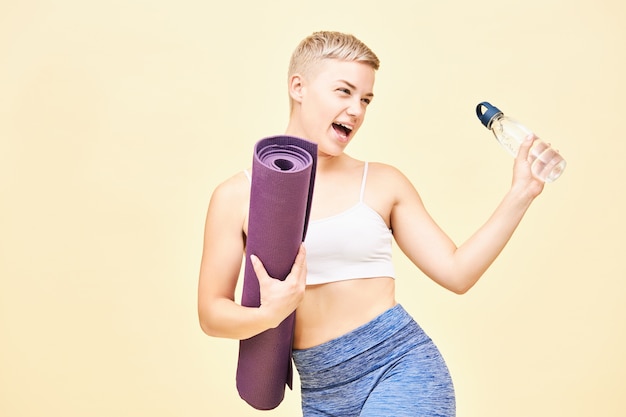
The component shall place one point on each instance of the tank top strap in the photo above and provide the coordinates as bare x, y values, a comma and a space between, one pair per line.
245, 171
363, 182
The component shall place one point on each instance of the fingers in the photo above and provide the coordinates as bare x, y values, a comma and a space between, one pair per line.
298, 268
279, 297
258, 267
299, 265
523, 176
525, 146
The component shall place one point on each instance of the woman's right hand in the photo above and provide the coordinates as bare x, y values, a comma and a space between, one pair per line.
280, 298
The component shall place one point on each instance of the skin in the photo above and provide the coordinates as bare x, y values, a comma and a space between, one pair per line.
340, 92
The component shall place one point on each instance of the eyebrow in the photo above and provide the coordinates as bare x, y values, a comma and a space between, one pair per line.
352, 86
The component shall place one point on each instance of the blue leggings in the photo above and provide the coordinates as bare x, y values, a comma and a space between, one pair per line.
387, 367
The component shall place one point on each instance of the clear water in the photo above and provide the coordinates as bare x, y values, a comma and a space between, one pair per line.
546, 163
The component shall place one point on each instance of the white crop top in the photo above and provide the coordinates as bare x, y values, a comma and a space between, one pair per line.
355, 243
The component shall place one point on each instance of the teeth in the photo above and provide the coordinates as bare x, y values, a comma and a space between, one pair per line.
344, 126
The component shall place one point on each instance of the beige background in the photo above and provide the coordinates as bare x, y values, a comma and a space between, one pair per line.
118, 118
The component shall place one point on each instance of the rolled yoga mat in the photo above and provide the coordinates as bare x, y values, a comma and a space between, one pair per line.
283, 174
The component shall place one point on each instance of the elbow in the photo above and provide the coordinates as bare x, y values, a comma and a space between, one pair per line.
206, 329
206, 326
460, 289
210, 317
462, 285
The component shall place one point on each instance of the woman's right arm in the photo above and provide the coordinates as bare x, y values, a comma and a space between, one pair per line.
224, 242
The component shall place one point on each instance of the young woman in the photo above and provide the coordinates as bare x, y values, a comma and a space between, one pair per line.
357, 351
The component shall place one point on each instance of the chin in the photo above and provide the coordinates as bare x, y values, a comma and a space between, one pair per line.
334, 150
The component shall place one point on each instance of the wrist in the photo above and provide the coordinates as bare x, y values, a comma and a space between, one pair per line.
266, 318
520, 196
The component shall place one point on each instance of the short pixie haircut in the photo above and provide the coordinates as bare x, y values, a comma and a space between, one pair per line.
329, 45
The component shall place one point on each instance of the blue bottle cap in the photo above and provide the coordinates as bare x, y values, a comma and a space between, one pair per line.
489, 113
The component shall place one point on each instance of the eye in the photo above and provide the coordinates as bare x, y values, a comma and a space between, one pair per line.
344, 90
366, 100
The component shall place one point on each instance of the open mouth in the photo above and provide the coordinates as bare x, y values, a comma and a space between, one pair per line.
342, 130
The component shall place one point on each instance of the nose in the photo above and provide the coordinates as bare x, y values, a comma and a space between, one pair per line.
356, 108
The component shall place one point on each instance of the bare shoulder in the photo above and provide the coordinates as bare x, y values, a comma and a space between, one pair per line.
230, 199
387, 177
383, 169
386, 187
234, 189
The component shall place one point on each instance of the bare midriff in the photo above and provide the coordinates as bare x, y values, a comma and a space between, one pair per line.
334, 309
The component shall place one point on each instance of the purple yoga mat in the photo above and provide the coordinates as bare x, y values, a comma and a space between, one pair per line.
283, 174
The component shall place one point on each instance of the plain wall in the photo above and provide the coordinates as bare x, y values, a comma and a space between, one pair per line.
118, 118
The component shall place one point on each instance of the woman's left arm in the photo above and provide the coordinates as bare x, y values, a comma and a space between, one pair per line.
430, 249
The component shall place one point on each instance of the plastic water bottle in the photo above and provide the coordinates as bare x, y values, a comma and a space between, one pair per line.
546, 163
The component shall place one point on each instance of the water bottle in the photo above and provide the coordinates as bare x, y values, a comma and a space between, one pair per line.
546, 163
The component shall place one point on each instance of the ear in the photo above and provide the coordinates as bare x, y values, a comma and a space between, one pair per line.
296, 87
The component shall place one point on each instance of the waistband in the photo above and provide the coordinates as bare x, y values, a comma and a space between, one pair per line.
355, 342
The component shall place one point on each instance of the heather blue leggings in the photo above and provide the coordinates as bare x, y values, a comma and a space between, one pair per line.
387, 367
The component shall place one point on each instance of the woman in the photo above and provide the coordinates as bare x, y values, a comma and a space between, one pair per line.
358, 352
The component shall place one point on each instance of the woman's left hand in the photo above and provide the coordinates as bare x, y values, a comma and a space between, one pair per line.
522, 174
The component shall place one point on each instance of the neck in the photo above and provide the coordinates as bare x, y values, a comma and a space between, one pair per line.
293, 129
325, 161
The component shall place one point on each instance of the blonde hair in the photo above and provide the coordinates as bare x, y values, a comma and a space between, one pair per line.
329, 45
